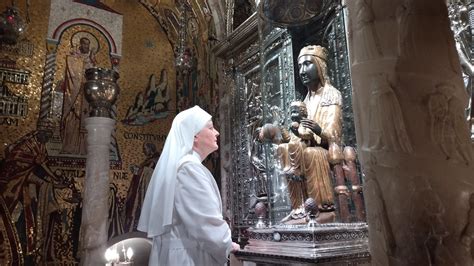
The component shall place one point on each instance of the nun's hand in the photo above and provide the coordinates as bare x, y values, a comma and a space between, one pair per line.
235, 247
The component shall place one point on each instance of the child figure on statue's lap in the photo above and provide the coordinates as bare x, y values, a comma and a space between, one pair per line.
299, 111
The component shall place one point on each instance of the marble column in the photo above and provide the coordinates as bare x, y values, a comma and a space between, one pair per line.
412, 137
95, 204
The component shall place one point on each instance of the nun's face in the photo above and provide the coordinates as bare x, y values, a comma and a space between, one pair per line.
206, 139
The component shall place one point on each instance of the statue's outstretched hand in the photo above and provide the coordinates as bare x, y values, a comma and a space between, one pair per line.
308, 123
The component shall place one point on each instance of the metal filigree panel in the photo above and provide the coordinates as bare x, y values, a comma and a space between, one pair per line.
253, 172
461, 15
258, 96
242, 150
246, 113
278, 91
246, 183
339, 74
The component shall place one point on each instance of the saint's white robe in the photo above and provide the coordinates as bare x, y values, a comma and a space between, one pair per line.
198, 235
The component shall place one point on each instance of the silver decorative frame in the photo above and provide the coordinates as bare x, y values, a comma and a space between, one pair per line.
337, 244
241, 54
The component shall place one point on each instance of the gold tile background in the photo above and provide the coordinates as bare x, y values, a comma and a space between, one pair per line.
146, 50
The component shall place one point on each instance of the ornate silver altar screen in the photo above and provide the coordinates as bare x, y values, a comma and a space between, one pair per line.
278, 90
254, 173
461, 15
268, 95
279, 87
265, 95
262, 79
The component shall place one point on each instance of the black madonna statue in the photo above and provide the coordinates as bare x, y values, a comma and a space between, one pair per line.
317, 124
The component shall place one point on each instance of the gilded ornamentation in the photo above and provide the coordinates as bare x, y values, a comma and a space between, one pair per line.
12, 105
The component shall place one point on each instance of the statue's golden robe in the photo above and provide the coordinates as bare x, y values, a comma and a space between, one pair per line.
310, 160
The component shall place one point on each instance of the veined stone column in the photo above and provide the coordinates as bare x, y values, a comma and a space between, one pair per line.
101, 91
413, 140
95, 205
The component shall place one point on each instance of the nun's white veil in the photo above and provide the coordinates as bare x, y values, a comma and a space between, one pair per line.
157, 210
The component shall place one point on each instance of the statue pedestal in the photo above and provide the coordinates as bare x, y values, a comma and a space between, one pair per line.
95, 207
334, 243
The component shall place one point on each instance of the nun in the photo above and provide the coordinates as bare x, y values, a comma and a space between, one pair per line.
182, 210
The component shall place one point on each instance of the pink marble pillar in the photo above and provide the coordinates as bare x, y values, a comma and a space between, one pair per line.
95, 204
413, 140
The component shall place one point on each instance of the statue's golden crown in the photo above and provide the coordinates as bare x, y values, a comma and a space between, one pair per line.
314, 50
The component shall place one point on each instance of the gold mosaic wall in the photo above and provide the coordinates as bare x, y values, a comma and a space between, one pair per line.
36, 30
146, 49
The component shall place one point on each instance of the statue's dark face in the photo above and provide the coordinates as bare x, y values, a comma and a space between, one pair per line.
308, 71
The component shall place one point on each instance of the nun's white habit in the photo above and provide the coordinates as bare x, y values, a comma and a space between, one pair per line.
182, 209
